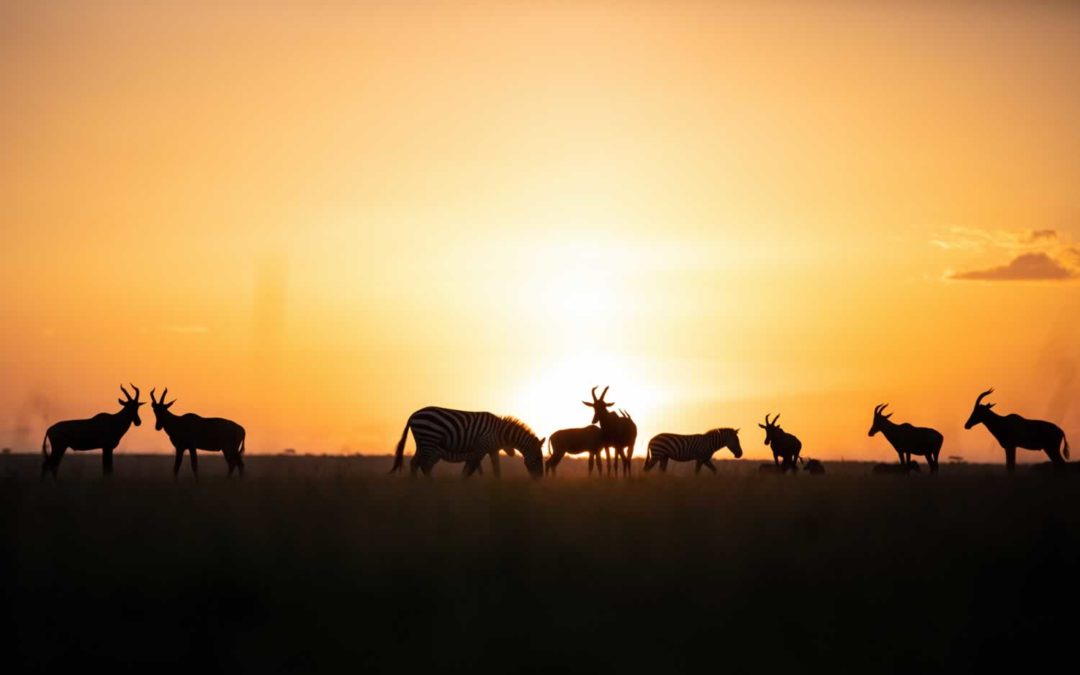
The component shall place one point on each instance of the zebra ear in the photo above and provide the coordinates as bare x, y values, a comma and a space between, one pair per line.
737, 431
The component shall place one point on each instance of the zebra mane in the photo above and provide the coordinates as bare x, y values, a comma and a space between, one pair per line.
520, 426
720, 430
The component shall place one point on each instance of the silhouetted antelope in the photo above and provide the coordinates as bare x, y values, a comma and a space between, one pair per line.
1014, 431
620, 432
588, 439
461, 436
101, 432
191, 432
695, 447
784, 445
908, 440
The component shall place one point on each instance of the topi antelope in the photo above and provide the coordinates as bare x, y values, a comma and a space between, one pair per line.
784, 445
588, 439
191, 432
620, 431
1014, 431
908, 440
102, 431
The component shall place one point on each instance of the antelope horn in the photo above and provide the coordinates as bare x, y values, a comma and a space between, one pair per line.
125, 392
594, 393
984, 395
604, 392
163, 395
152, 399
137, 394
775, 418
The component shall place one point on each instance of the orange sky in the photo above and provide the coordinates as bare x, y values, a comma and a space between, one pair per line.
316, 220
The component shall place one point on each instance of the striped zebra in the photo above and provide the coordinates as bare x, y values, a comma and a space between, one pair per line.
460, 436
696, 447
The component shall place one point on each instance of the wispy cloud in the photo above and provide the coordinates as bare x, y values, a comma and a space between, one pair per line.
1025, 267
1034, 255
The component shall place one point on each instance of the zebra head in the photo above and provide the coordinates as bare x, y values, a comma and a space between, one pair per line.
518, 436
728, 438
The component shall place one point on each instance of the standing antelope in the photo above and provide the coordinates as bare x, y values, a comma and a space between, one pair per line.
620, 432
784, 445
697, 447
191, 432
1014, 431
588, 439
102, 431
461, 436
908, 440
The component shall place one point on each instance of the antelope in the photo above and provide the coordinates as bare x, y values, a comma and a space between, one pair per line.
784, 445
191, 432
619, 431
102, 431
1014, 431
588, 439
908, 440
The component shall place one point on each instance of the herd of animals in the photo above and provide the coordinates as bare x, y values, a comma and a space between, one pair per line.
442, 434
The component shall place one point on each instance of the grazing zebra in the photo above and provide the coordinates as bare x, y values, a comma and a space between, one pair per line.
696, 447
588, 439
461, 436
103, 430
784, 445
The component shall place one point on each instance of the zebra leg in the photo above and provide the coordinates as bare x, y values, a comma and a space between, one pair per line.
1054, 453
697, 466
106, 461
663, 464
178, 462
471, 466
52, 462
194, 463
494, 462
709, 465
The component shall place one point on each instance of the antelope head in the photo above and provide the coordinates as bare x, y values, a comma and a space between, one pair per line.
981, 410
770, 428
599, 406
160, 408
131, 404
879, 419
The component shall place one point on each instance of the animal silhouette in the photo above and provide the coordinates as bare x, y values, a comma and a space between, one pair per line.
904, 469
588, 439
462, 436
191, 432
697, 448
102, 431
813, 467
1014, 431
908, 440
620, 431
784, 445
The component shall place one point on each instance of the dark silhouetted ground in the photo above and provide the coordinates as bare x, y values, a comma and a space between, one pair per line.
312, 564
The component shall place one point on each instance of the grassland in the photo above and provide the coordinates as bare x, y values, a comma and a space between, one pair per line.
326, 564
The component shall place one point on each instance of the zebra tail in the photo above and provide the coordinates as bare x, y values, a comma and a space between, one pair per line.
399, 452
243, 440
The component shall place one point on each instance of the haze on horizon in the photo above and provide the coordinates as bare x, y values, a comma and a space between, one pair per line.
315, 220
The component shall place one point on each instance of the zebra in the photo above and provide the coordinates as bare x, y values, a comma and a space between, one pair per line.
462, 436
696, 447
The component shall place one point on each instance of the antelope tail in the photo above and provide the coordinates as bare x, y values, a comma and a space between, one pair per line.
45, 440
399, 452
1066, 445
243, 439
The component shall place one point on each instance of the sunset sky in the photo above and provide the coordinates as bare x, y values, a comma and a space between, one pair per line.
317, 219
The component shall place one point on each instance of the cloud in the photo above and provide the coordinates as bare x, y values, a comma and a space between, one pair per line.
1037, 235
1025, 267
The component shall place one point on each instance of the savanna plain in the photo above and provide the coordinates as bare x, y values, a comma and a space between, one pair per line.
326, 564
